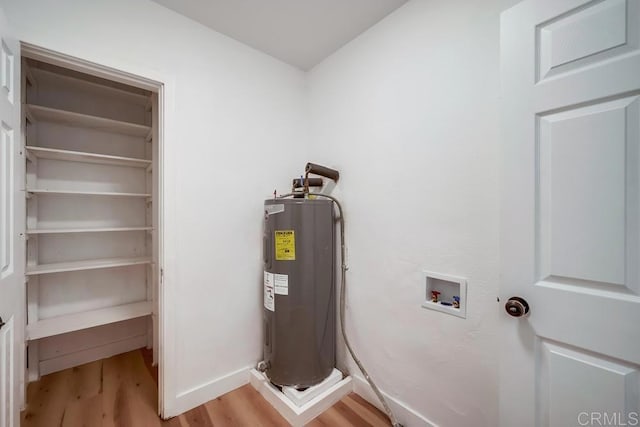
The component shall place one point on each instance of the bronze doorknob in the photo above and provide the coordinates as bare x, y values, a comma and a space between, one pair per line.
517, 307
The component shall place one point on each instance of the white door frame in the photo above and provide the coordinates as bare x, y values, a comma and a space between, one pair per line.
163, 85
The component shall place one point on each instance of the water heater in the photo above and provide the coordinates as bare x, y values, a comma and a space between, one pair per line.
299, 291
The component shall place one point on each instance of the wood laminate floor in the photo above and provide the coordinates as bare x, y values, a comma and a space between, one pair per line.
122, 391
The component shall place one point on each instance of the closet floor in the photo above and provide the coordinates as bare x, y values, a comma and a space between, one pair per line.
122, 391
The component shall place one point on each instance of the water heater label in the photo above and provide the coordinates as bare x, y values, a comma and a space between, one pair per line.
285, 245
269, 294
281, 282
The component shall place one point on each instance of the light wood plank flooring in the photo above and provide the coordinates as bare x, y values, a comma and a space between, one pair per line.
122, 391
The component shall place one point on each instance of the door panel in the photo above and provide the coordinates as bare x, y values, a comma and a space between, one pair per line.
8, 77
567, 380
8, 415
582, 192
571, 212
568, 41
7, 148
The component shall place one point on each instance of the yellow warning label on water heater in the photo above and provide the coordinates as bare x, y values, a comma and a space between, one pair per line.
285, 245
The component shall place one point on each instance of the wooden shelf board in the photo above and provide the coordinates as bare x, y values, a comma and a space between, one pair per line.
92, 264
86, 193
83, 157
83, 120
88, 319
86, 230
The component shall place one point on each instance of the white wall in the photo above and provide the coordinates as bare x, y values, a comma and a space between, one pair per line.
408, 112
237, 122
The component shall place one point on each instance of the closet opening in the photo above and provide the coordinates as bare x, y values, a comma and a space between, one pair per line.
93, 143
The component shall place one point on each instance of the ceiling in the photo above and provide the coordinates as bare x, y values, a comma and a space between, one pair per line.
299, 32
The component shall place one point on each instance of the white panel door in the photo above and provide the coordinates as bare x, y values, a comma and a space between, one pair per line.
12, 214
571, 213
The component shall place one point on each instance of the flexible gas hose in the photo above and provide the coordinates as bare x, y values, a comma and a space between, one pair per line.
343, 284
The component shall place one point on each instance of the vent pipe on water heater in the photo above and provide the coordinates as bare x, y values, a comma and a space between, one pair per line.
299, 249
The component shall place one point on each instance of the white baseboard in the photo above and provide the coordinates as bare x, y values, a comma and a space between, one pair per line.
88, 355
298, 416
210, 390
405, 415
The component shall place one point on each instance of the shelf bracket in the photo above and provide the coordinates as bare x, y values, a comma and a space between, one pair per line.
29, 156
29, 75
29, 116
149, 136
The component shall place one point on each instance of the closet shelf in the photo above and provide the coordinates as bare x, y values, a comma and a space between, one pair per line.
83, 157
52, 78
91, 264
86, 193
85, 230
70, 118
88, 319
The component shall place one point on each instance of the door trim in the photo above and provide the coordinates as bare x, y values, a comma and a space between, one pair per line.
162, 84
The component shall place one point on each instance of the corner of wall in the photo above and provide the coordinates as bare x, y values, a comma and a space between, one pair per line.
405, 414
209, 390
